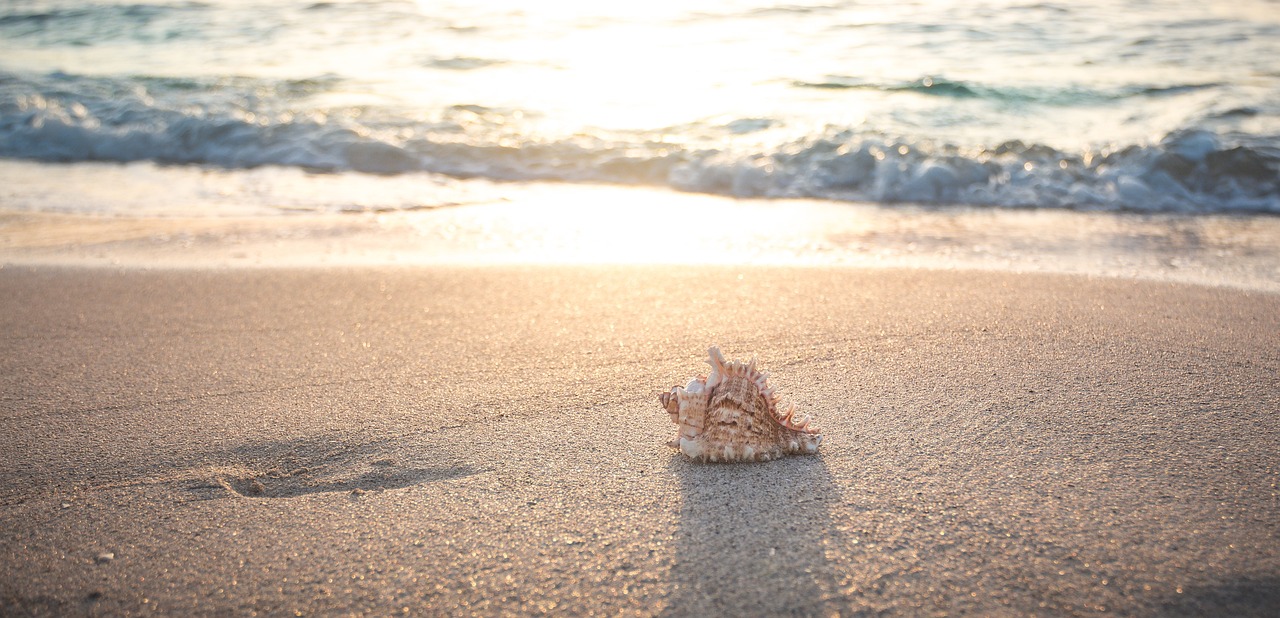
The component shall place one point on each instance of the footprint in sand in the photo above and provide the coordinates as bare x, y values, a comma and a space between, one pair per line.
303, 470
278, 484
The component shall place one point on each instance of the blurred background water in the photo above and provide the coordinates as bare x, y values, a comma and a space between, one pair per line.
1170, 106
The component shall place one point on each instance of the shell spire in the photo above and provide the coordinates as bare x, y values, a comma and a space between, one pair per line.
734, 414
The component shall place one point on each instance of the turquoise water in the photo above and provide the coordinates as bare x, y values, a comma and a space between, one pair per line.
1152, 106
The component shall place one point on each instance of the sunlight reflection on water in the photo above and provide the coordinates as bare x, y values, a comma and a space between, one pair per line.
1089, 104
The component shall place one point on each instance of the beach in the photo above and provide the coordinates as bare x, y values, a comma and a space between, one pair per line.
341, 308
487, 439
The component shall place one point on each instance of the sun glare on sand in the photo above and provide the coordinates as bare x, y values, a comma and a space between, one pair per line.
550, 223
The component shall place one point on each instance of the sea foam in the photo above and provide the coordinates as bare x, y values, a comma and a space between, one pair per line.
1191, 170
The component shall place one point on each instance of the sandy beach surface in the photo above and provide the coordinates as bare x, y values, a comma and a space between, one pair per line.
450, 440
338, 308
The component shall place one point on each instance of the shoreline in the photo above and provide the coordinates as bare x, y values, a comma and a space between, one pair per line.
567, 225
458, 439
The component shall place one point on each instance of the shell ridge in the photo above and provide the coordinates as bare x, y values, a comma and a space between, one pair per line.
722, 416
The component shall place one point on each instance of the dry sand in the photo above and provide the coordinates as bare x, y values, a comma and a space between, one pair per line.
452, 440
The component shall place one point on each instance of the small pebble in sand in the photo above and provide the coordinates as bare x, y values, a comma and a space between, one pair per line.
105, 557
357, 492
256, 487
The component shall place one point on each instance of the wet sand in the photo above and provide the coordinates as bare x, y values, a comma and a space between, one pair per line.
552, 225
447, 440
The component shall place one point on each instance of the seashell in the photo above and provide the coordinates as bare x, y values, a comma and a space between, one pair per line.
733, 414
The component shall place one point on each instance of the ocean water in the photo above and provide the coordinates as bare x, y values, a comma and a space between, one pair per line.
1168, 106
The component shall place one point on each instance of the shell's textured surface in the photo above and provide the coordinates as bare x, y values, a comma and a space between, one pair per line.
733, 414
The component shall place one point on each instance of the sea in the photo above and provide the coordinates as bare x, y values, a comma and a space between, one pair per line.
280, 106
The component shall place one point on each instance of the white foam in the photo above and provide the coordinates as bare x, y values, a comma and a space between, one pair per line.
1188, 171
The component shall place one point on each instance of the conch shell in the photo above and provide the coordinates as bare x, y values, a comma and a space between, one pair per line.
734, 415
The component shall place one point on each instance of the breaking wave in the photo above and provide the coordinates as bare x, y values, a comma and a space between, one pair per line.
71, 119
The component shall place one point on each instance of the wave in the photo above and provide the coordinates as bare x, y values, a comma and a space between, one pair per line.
959, 89
1192, 170
76, 23
925, 85
1189, 171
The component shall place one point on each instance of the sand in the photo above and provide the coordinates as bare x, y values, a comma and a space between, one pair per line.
553, 224
451, 440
